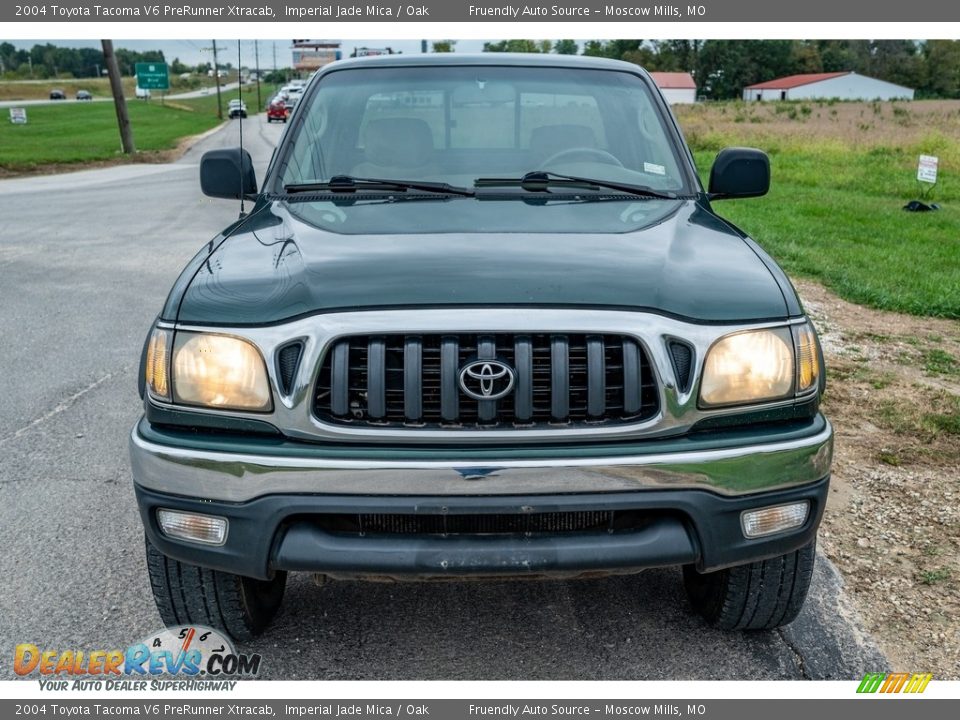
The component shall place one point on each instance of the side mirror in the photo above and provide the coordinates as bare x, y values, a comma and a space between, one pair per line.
739, 173
227, 173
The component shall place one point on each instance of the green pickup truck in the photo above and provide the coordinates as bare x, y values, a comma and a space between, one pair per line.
481, 320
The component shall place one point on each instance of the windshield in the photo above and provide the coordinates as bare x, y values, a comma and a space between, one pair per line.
456, 124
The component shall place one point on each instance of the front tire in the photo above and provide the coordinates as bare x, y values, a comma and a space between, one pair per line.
758, 596
187, 594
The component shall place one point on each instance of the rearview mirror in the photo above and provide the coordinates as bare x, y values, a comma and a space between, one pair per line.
227, 173
739, 173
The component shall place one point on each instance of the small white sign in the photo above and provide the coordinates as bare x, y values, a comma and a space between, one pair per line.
927, 169
18, 116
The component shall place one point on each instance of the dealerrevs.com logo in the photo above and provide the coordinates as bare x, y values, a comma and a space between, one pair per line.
201, 658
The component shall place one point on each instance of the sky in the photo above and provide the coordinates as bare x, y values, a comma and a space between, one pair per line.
192, 52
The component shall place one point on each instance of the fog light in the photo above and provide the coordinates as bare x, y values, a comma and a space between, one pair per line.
191, 526
771, 520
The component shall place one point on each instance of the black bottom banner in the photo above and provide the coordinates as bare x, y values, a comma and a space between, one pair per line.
876, 708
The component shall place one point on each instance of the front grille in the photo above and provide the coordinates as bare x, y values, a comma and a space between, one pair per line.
485, 524
414, 381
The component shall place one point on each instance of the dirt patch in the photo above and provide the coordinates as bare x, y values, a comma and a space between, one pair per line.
892, 524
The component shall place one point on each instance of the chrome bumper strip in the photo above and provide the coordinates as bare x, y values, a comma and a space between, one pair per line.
238, 477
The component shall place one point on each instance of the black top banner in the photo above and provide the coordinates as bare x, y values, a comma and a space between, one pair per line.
578, 11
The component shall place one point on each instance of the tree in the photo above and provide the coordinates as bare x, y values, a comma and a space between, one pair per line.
676, 55
844, 55
518, 46
566, 47
178, 68
593, 48
806, 58
8, 56
443, 46
725, 67
614, 49
644, 56
942, 60
897, 61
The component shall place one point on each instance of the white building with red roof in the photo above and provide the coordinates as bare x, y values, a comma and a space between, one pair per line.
824, 86
677, 87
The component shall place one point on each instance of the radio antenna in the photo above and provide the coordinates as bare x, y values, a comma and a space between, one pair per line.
240, 116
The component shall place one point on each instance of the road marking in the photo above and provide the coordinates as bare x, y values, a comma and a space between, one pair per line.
63, 405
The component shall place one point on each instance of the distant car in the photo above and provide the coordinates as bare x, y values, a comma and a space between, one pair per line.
58, 95
84, 95
237, 108
277, 110
143, 93
291, 101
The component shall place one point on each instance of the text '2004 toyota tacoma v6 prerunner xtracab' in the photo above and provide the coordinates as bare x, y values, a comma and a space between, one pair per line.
481, 321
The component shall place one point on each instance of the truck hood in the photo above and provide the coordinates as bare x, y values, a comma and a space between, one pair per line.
683, 262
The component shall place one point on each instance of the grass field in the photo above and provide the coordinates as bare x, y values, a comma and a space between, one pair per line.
74, 132
840, 175
86, 132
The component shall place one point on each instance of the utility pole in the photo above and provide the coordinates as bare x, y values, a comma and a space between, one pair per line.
119, 102
216, 78
274, 55
256, 53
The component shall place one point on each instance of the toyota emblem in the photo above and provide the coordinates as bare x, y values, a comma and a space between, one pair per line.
486, 379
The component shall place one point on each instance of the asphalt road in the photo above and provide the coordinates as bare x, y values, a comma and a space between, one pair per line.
203, 92
86, 260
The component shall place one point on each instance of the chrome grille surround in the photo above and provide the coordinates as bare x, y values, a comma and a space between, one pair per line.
677, 409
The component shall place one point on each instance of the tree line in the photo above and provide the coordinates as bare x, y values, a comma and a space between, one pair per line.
52, 61
722, 68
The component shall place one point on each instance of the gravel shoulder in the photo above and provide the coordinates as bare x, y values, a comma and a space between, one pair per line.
892, 525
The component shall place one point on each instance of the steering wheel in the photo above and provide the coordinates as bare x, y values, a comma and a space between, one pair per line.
601, 155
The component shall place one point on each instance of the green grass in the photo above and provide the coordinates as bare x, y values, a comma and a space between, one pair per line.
938, 362
932, 577
834, 214
85, 132
937, 418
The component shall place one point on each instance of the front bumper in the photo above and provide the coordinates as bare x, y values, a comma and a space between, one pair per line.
271, 492
243, 467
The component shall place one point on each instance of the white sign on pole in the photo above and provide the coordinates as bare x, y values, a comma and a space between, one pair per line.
927, 169
18, 116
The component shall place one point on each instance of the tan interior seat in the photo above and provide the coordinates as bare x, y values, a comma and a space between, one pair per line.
400, 148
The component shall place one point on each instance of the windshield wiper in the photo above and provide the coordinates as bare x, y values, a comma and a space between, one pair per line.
542, 180
348, 184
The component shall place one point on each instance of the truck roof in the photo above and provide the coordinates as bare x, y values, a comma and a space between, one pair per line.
508, 59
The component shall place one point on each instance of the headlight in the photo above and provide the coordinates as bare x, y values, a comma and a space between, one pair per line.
219, 371
749, 367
